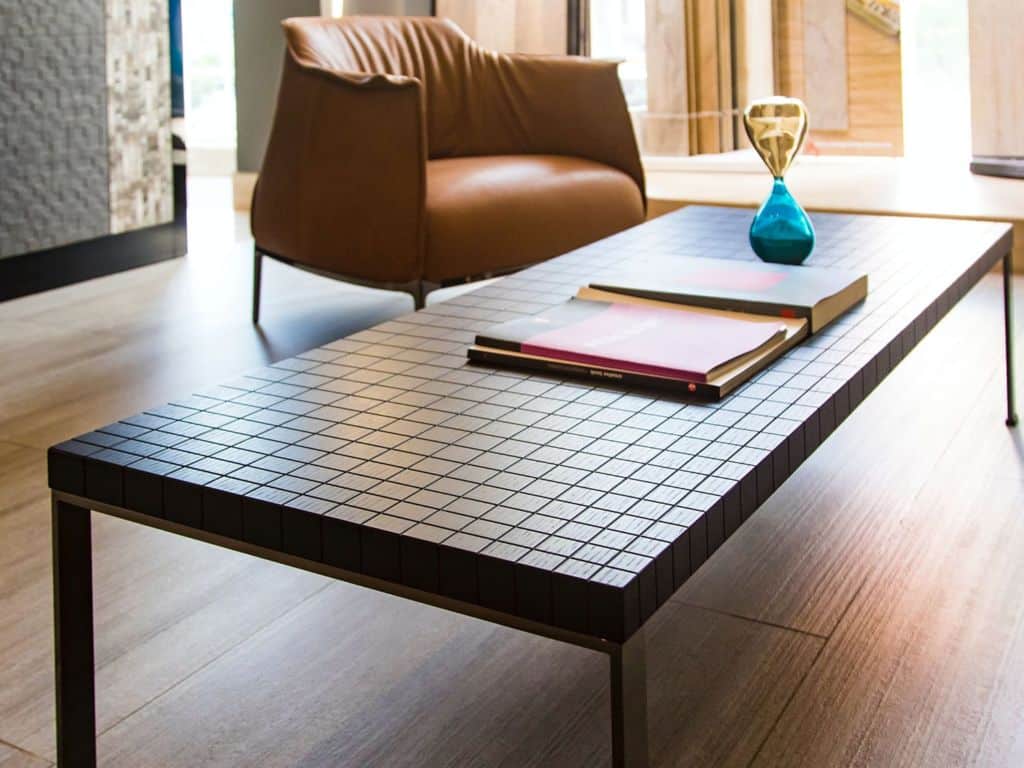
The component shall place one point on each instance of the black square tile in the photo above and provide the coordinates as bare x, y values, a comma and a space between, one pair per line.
614, 604
458, 574
780, 464
748, 494
496, 580
796, 449
381, 555
533, 593
765, 479
812, 433
183, 496
66, 467
732, 510
300, 526
420, 564
569, 590
103, 482
222, 513
682, 566
261, 517
341, 537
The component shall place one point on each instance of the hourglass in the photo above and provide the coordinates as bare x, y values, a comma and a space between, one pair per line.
781, 231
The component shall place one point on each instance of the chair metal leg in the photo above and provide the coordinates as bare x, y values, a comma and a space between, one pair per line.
73, 636
629, 703
257, 277
1011, 398
422, 290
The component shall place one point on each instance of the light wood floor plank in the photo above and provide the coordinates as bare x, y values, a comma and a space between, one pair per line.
400, 684
927, 668
22, 479
133, 346
806, 552
11, 757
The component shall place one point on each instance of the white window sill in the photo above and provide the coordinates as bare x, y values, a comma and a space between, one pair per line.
851, 184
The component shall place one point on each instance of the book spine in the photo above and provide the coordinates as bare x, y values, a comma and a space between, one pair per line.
749, 306
691, 389
488, 341
768, 308
603, 363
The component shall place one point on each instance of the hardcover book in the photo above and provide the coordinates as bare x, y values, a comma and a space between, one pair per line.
820, 294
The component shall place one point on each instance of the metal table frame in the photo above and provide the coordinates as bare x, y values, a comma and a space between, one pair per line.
73, 626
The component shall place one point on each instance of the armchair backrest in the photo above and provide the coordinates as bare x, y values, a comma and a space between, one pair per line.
434, 51
476, 101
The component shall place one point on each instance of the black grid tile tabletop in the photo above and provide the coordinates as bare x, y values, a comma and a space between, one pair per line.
576, 505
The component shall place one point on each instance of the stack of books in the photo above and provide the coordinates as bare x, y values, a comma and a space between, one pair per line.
700, 326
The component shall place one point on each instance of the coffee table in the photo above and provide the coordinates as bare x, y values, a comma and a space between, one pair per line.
556, 507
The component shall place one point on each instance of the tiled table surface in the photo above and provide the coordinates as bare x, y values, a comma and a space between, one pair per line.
581, 507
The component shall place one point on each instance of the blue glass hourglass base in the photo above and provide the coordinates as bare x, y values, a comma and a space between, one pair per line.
781, 231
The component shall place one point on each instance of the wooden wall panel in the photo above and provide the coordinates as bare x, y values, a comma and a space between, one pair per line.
704, 72
726, 92
755, 58
874, 81
825, 76
541, 26
511, 26
663, 128
997, 67
490, 22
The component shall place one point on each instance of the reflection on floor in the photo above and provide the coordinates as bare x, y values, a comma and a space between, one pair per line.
881, 620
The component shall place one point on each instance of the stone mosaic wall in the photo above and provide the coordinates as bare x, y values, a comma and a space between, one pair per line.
84, 120
139, 113
53, 124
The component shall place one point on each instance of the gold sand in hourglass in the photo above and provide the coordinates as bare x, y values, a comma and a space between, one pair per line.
776, 127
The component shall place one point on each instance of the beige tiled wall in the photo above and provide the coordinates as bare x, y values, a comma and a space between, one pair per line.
138, 113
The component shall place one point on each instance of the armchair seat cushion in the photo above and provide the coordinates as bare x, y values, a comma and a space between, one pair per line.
497, 213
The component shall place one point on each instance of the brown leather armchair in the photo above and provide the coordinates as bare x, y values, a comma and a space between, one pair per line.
405, 156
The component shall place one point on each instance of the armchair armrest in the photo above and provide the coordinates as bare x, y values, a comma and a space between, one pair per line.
569, 105
343, 182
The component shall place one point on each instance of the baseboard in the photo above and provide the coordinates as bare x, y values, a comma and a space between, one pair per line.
38, 271
243, 182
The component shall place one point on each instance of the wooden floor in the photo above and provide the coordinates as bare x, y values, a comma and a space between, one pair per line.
870, 614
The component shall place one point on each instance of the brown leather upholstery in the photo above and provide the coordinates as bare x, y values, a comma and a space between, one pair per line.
402, 151
493, 214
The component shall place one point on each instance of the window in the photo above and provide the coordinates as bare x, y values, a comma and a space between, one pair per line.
936, 78
617, 31
869, 71
209, 65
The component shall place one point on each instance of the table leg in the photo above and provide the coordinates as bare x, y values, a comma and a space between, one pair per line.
73, 631
1011, 398
629, 703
